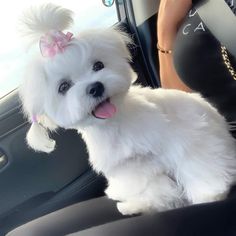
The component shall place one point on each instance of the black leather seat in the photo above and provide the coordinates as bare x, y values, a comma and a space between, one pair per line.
99, 217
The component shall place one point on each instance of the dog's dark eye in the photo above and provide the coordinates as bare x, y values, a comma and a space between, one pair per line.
98, 65
64, 87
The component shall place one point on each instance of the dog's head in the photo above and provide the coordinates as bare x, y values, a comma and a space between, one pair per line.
76, 80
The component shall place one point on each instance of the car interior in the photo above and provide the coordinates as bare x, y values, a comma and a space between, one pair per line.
34, 184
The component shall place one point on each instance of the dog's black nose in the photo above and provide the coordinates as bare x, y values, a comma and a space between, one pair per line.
96, 89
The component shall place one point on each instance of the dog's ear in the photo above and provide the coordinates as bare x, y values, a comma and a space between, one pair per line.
125, 44
33, 94
122, 40
38, 139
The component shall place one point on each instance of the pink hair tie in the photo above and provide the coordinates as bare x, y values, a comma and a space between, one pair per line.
54, 42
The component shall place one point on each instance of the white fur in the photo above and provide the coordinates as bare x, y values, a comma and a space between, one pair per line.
38, 139
162, 149
40, 19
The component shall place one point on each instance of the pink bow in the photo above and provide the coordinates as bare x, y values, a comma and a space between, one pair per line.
54, 42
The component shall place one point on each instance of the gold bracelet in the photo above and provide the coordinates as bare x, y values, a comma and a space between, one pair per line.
163, 50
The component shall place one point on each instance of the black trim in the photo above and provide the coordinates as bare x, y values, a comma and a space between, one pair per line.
145, 37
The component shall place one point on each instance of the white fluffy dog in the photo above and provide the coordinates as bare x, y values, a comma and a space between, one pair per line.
158, 149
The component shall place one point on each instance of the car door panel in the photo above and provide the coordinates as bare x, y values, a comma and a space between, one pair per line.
30, 178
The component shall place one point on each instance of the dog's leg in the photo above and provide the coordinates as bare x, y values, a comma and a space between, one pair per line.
161, 193
113, 194
207, 186
132, 207
206, 179
201, 192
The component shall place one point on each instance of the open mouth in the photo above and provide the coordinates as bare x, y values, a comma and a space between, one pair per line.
104, 110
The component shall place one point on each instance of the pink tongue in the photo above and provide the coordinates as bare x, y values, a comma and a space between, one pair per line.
105, 110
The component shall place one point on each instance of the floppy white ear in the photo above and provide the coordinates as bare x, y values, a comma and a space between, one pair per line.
126, 41
32, 94
38, 139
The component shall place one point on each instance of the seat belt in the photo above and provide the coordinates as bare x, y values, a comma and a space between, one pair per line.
220, 20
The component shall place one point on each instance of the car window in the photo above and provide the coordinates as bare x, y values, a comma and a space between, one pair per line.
13, 56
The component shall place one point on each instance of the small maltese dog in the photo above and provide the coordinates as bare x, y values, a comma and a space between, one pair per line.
159, 149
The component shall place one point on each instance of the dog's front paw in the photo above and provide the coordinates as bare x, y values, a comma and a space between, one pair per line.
129, 208
114, 195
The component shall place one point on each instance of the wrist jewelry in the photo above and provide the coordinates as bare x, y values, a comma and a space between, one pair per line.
162, 50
